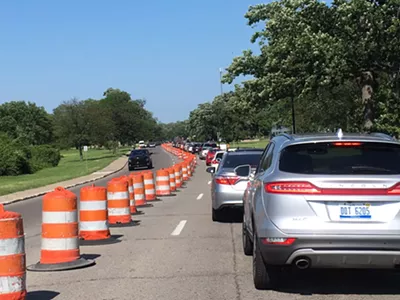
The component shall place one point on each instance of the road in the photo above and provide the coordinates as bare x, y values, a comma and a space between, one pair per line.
177, 252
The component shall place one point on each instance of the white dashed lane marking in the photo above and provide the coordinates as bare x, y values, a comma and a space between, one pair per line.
200, 196
179, 228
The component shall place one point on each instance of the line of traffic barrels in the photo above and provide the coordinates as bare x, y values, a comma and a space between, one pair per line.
68, 223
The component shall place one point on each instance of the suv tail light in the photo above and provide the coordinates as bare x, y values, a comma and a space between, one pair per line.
226, 180
306, 188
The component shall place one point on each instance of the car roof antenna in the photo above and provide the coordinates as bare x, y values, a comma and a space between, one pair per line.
340, 133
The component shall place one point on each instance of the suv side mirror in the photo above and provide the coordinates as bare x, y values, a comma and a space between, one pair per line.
243, 170
210, 170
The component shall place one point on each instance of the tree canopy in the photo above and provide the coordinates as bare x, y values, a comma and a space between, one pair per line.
340, 63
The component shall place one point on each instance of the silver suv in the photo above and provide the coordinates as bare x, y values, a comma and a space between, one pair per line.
323, 201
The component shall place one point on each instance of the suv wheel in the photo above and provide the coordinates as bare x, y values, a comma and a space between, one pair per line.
216, 215
264, 276
247, 243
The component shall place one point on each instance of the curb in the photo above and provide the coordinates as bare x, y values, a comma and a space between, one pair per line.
65, 186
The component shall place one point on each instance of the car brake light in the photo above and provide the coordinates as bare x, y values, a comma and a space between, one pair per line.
346, 144
291, 188
306, 188
226, 180
278, 241
215, 162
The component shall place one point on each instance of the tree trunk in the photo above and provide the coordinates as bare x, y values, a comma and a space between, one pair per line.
81, 152
367, 84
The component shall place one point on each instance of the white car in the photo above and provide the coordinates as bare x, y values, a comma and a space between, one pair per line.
216, 159
142, 144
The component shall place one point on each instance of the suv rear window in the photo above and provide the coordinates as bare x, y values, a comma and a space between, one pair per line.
212, 145
342, 158
219, 155
234, 160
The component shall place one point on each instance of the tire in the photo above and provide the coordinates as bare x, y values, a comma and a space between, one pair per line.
247, 243
216, 215
265, 277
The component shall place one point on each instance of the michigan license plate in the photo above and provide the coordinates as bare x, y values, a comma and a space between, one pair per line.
346, 211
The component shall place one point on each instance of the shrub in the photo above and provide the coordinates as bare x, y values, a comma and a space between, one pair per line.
43, 156
14, 157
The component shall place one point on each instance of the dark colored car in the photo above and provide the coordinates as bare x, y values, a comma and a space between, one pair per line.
140, 158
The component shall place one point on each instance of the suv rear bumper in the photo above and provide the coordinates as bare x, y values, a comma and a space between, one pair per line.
336, 253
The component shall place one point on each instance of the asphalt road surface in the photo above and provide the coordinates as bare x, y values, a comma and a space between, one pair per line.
176, 252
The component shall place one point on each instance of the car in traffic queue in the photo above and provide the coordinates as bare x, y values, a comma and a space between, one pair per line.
323, 201
140, 158
142, 144
228, 182
151, 144
204, 149
216, 159
210, 155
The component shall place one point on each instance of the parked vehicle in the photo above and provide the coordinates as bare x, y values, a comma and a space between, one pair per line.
227, 185
142, 144
323, 201
152, 144
140, 158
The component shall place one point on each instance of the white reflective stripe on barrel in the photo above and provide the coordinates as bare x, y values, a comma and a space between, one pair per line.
12, 284
119, 211
58, 244
139, 196
150, 191
57, 217
163, 188
130, 189
148, 181
138, 185
93, 225
93, 205
162, 178
117, 195
12, 246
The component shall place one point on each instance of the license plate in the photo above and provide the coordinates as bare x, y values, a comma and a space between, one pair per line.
351, 211
355, 211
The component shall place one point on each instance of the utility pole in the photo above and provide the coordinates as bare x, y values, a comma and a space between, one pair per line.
220, 80
293, 117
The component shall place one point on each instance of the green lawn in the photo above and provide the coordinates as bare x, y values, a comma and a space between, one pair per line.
255, 144
69, 167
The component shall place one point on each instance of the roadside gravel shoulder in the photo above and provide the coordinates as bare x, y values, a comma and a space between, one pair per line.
114, 167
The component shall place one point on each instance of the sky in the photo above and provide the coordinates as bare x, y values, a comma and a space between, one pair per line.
167, 52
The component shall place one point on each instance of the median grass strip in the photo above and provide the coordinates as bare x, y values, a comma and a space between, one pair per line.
69, 167
256, 144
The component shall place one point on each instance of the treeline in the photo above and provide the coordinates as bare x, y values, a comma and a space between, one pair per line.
337, 64
31, 138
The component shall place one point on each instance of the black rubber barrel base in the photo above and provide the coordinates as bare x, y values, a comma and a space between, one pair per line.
120, 225
72, 265
109, 241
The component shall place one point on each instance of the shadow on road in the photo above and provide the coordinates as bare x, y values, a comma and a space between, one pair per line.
232, 215
90, 256
41, 295
345, 282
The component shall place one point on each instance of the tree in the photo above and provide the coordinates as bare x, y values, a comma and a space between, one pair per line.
26, 122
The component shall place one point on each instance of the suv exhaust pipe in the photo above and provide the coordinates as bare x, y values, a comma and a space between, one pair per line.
302, 263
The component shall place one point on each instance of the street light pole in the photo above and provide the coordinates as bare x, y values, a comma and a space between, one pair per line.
220, 80
293, 117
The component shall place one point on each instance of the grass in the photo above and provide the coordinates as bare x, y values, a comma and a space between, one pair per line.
255, 144
69, 167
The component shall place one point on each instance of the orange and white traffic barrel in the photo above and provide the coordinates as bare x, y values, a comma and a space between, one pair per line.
132, 204
138, 189
185, 176
178, 178
189, 168
119, 213
162, 183
60, 237
172, 182
12, 256
149, 186
93, 216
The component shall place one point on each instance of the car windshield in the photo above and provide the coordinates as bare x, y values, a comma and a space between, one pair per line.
342, 158
139, 153
234, 160
210, 145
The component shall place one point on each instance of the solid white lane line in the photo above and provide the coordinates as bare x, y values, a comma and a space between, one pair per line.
200, 196
179, 228
209, 182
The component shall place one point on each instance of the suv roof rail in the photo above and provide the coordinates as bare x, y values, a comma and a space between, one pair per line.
382, 135
287, 135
